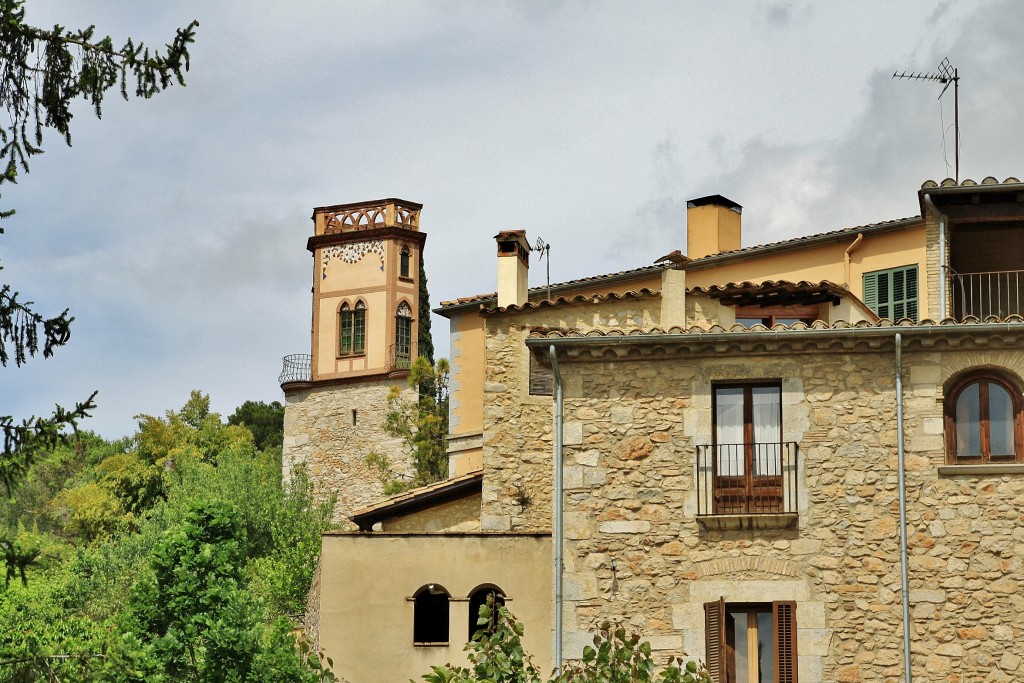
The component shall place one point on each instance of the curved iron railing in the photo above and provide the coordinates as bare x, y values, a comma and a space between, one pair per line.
296, 368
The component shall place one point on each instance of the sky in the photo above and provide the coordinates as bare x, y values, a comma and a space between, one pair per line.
175, 228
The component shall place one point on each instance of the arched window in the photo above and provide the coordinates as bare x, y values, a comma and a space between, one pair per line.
403, 336
352, 329
403, 262
430, 616
983, 419
477, 599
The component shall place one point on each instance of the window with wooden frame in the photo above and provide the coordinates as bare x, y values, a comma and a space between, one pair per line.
984, 423
352, 329
751, 642
403, 262
748, 316
747, 447
430, 615
403, 336
892, 293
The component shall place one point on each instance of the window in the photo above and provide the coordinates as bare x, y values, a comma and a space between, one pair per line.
751, 642
542, 378
430, 616
352, 329
747, 448
477, 599
892, 293
403, 336
403, 262
983, 419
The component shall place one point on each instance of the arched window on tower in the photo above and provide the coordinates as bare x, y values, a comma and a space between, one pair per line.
403, 336
430, 615
352, 329
477, 599
403, 262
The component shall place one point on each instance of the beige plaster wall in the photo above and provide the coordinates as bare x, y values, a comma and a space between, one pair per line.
368, 580
319, 433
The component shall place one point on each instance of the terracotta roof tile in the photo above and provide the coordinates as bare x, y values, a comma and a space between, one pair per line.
642, 293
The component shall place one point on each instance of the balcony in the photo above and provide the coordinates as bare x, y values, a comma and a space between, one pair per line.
296, 368
747, 485
998, 293
399, 359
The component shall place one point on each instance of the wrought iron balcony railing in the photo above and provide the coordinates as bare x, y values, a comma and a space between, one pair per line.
998, 293
296, 368
747, 479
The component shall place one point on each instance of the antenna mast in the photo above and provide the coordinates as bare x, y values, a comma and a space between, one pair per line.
545, 250
946, 74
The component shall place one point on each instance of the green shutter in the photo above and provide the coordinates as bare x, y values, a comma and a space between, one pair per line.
892, 293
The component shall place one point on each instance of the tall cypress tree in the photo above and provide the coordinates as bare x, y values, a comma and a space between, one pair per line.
426, 342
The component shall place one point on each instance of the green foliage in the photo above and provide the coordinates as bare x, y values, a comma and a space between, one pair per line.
264, 420
192, 432
497, 655
43, 73
422, 424
425, 341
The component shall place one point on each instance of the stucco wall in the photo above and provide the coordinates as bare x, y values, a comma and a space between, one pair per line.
458, 515
368, 580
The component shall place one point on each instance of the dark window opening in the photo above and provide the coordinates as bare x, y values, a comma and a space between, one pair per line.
403, 262
751, 642
430, 618
476, 600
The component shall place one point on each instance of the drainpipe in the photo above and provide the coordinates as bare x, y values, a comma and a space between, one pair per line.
943, 313
901, 467
846, 256
558, 509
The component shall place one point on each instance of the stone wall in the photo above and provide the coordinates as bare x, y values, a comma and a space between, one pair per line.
631, 428
319, 433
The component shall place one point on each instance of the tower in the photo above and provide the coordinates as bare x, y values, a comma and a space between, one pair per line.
363, 340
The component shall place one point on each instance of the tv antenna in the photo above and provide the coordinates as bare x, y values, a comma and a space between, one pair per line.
946, 74
545, 250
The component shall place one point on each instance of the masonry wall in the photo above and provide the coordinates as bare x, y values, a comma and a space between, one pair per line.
319, 432
633, 421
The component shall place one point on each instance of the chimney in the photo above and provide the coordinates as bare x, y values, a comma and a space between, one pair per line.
712, 226
513, 267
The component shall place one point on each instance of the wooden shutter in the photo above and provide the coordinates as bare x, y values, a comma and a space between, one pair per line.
784, 616
871, 291
714, 634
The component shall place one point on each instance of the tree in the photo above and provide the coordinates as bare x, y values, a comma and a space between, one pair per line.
425, 340
264, 420
42, 72
497, 654
422, 424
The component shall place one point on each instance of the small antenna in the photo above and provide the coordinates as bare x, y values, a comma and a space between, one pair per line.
946, 74
545, 250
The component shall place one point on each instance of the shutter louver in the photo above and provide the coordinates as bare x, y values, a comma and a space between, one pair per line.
784, 616
714, 634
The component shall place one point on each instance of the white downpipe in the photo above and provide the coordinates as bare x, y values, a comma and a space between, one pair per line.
901, 466
943, 270
558, 509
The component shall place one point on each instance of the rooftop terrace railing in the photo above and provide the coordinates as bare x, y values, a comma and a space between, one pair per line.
996, 293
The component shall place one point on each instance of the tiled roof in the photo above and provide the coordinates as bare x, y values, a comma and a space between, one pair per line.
416, 499
967, 182
536, 293
770, 286
642, 293
560, 333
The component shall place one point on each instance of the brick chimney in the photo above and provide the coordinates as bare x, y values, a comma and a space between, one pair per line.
513, 267
712, 226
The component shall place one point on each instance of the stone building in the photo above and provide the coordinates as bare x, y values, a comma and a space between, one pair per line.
801, 461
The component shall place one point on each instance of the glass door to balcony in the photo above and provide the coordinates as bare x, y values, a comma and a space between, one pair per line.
748, 449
